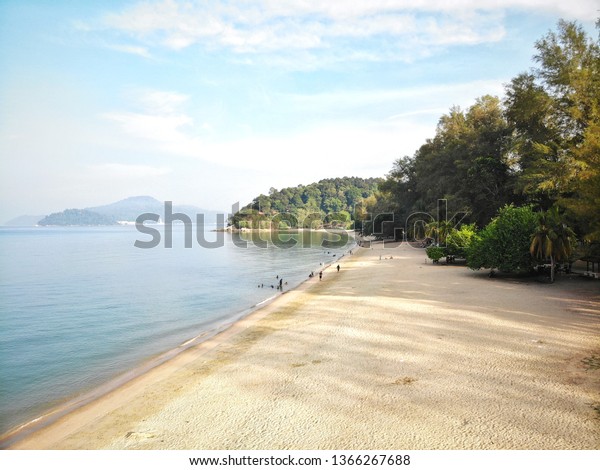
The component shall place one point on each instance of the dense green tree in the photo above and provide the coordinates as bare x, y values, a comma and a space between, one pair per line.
485, 180
535, 143
568, 67
399, 188
555, 116
466, 163
504, 243
583, 202
353, 195
435, 170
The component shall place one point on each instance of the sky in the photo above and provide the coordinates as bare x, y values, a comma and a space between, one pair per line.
214, 102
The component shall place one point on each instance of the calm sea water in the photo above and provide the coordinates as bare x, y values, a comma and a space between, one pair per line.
80, 305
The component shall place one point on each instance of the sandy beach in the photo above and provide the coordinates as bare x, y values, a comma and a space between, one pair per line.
392, 352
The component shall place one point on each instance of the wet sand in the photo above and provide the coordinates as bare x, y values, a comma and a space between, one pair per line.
386, 354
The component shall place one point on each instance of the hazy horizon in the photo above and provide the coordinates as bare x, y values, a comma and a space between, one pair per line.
208, 104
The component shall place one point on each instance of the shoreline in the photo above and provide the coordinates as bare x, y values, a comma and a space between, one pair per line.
357, 342
71, 405
291, 230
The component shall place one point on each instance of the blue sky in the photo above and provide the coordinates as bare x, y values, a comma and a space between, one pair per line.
209, 103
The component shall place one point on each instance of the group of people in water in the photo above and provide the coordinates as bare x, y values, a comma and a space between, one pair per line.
279, 285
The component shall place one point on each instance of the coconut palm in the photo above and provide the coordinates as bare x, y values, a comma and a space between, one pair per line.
553, 239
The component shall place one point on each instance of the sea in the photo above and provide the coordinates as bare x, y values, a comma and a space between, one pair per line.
80, 306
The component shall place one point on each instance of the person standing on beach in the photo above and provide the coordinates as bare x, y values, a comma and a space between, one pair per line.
338, 268
320, 275
281, 284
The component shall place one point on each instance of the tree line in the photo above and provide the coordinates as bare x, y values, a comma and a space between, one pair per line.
538, 146
523, 172
329, 202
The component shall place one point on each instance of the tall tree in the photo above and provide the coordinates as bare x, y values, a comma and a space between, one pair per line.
555, 114
536, 144
466, 162
487, 180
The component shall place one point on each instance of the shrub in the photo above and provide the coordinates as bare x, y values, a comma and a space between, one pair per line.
459, 241
504, 243
435, 253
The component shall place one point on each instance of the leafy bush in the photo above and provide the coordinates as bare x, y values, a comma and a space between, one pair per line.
435, 253
459, 241
504, 243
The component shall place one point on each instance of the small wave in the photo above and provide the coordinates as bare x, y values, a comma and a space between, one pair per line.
265, 301
193, 339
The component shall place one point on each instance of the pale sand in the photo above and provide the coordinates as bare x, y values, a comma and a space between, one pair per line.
386, 354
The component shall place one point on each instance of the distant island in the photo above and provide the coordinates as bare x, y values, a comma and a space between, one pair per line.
77, 217
123, 211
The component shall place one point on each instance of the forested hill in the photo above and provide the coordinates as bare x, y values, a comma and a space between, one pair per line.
330, 201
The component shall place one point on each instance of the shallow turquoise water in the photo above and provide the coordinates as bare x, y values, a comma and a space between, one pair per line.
80, 305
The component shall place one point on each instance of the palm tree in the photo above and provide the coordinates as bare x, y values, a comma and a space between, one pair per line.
438, 231
552, 239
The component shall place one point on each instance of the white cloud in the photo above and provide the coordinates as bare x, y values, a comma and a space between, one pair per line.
372, 139
268, 26
353, 9
161, 119
162, 122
